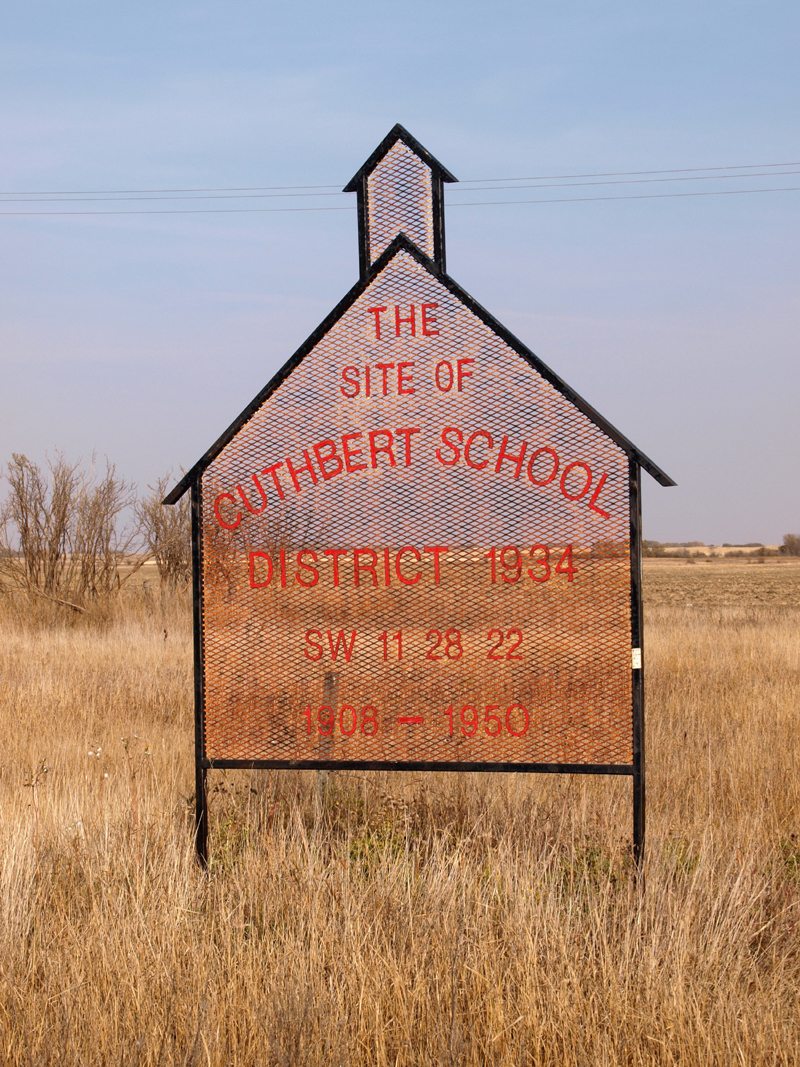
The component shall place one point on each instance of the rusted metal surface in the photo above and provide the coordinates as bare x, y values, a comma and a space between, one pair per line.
417, 548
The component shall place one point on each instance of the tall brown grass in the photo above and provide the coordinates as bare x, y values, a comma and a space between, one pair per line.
396, 918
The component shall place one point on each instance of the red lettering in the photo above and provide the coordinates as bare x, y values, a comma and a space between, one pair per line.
409, 321
302, 566
511, 458
350, 454
445, 441
540, 452
307, 467
446, 385
354, 382
377, 313
246, 502
366, 382
314, 642
567, 470
271, 472
437, 551
253, 557
492, 555
407, 435
565, 564
595, 495
489, 445
220, 520
341, 645
403, 381
543, 562
375, 448
398, 571
427, 320
385, 367
358, 566
332, 455
462, 374
334, 553
511, 563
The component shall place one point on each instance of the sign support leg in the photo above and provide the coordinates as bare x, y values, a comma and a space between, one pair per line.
637, 667
201, 816
201, 793
638, 818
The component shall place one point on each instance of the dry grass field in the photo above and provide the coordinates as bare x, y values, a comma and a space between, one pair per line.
403, 919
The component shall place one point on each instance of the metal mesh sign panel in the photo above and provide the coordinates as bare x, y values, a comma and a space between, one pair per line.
399, 195
416, 550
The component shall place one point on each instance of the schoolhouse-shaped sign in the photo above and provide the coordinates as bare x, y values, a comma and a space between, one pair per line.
417, 547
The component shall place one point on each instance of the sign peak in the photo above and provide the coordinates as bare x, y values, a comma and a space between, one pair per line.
399, 190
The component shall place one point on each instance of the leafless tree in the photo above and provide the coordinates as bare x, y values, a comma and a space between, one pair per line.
101, 541
36, 524
166, 533
62, 535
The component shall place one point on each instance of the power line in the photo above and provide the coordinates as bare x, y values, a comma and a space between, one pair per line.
337, 187
187, 211
631, 173
351, 207
260, 196
206, 196
634, 181
630, 196
202, 189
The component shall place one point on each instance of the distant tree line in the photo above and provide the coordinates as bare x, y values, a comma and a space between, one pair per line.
682, 549
74, 536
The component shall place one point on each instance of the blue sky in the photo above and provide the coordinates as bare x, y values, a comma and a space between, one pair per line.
142, 336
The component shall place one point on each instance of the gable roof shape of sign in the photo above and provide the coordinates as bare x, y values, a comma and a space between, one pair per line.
402, 244
397, 133
370, 171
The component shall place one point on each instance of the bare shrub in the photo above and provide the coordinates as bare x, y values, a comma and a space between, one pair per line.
100, 541
62, 534
166, 533
791, 545
36, 524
